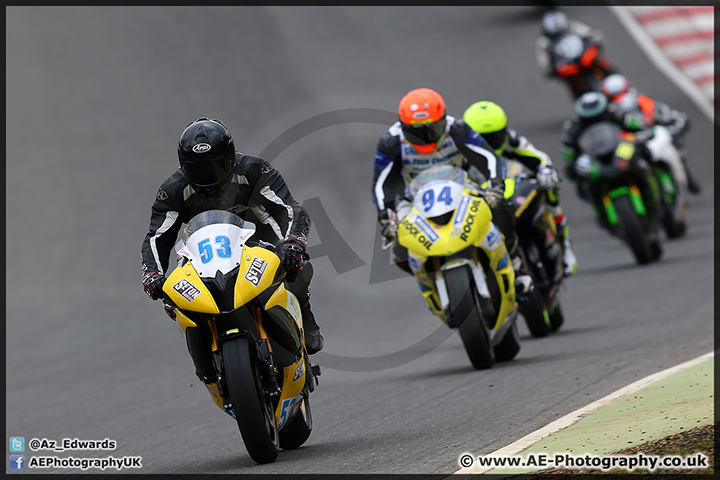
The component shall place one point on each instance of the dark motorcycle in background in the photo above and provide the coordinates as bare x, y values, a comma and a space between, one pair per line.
540, 250
579, 63
622, 187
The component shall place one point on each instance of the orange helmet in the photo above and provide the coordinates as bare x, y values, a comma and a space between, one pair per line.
422, 117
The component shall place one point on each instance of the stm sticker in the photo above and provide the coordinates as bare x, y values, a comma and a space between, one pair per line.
187, 290
201, 148
256, 271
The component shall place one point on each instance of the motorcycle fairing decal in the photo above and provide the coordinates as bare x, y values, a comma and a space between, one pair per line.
480, 209
256, 271
426, 229
299, 371
492, 238
181, 277
526, 201
215, 394
186, 290
286, 409
460, 215
408, 228
610, 211
285, 299
291, 391
253, 261
503, 263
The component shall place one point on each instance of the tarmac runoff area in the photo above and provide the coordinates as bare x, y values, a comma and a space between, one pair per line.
663, 404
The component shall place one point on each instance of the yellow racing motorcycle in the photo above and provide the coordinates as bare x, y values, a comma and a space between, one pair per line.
244, 330
460, 261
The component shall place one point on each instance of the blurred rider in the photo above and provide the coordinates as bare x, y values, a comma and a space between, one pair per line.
213, 176
489, 120
617, 87
425, 136
555, 24
590, 108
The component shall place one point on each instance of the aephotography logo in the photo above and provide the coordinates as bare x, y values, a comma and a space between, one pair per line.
341, 255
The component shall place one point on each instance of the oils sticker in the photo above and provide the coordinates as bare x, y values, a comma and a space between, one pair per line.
256, 271
187, 290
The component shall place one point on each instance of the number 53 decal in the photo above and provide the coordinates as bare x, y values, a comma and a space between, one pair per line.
222, 248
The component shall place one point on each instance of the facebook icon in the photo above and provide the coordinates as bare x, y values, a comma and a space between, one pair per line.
17, 462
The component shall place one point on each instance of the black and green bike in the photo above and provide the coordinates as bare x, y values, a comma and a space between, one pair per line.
617, 178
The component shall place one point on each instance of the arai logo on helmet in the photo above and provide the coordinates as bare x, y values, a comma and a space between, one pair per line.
201, 148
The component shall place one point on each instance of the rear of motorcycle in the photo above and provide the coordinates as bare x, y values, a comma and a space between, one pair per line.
631, 205
541, 253
580, 64
623, 188
672, 181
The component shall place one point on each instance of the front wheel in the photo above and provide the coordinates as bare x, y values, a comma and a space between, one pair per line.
633, 231
465, 310
254, 414
556, 318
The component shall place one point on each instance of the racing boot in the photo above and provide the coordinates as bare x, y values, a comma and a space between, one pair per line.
523, 280
314, 340
563, 231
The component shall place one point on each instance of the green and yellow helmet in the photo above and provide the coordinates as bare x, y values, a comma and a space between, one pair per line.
489, 120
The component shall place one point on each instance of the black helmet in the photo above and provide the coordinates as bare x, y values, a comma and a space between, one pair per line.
207, 155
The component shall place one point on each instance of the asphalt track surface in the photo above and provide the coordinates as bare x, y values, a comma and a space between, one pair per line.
96, 99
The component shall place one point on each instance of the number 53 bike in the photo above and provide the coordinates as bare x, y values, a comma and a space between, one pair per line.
459, 259
244, 331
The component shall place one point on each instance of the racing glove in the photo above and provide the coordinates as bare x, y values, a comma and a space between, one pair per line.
388, 223
152, 283
495, 192
547, 177
292, 253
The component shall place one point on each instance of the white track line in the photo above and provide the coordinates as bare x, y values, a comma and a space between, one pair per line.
534, 437
661, 61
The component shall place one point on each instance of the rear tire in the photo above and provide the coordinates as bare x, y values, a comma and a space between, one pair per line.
635, 234
297, 431
254, 414
535, 314
672, 227
465, 308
